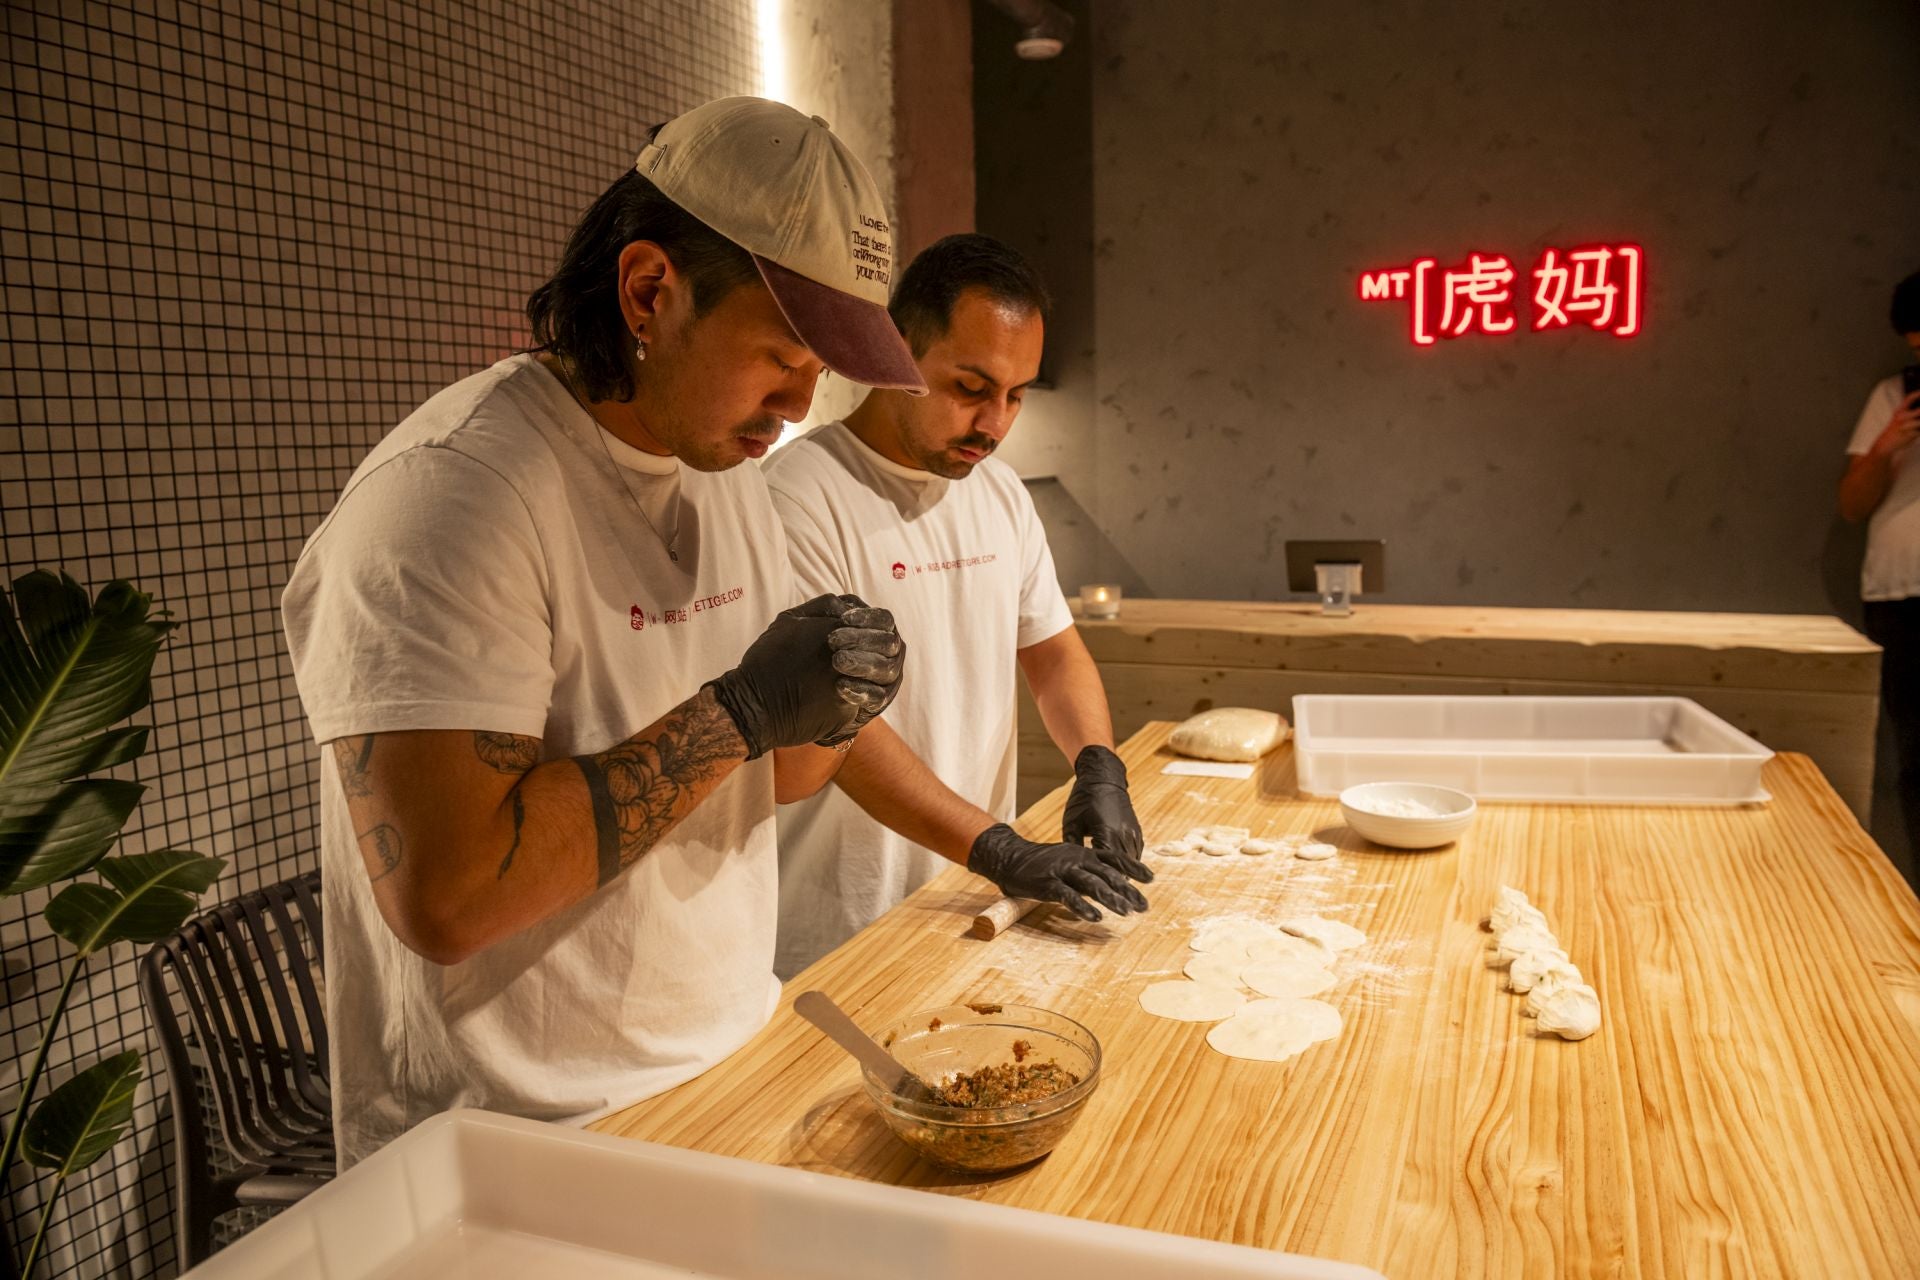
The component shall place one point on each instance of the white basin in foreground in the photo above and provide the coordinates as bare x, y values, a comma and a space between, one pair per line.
475, 1195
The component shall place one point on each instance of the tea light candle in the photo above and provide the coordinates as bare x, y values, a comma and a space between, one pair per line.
1100, 600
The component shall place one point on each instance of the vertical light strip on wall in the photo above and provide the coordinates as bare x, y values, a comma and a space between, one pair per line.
773, 49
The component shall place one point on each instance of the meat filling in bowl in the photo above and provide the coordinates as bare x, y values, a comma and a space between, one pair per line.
1005, 1084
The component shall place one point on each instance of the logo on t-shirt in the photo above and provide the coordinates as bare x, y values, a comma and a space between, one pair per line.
899, 571
675, 615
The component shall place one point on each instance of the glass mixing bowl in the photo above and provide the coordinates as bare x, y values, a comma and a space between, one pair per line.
938, 1044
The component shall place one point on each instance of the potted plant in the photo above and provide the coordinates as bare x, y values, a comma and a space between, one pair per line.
70, 671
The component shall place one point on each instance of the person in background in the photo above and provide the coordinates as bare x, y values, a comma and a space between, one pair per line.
903, 504
1882, 487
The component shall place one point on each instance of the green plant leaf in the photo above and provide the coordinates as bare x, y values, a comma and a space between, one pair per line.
82, 1119
68, 670
147, 896
73, 830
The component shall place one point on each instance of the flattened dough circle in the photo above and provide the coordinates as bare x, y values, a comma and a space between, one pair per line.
1331, 933
1316, 1019
1288, 976
1216, 969
1285, 945
1233, 935
1260, 1039
1185, 1001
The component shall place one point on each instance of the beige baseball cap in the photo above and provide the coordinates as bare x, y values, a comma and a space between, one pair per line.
784, 188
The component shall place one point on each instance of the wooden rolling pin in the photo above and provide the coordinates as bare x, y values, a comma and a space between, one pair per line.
1000, 916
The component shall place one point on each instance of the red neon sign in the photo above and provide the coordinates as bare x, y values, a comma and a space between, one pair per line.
1598, 286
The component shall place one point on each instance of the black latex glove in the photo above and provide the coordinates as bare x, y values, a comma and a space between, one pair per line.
870, 657
1068, 874
1100, 811
794, 686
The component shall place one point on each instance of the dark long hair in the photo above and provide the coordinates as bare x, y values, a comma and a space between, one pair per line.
576, 314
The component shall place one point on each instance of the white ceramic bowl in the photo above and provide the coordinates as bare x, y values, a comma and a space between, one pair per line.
1368, 810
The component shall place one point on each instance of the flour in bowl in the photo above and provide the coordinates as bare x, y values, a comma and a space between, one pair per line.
1401, 807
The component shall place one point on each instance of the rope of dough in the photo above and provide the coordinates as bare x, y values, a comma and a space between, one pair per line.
1001, 916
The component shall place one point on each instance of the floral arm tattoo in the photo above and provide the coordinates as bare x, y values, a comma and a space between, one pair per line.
510, 753
380, 845
507, 752
354, 756
640, 789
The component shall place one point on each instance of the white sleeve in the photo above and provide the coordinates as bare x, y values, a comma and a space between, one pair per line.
1043, 608
422, 604
819, 564
1881, 402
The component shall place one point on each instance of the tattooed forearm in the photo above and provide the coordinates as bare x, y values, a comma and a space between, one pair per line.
519, 819
382, 849
507, 752
640, 789
354, 757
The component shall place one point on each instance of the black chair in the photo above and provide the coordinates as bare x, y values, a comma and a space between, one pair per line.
238, 1000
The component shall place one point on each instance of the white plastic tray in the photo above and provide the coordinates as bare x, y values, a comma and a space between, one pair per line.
1580, 750
480, 1196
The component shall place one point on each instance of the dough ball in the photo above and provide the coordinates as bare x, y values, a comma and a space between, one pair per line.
1219, 848
1547, 986
1260, 848
1320, 1020
1572, 1012
1329, 933
1185, 1001
1508, 896
1226, 835
1228, 733
1288, 976
1511, 908
1172, 849
1216, 969
1505, 918
1520, 939
1530, 967
1314, 850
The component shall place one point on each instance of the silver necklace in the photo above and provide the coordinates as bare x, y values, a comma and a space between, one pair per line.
669, 540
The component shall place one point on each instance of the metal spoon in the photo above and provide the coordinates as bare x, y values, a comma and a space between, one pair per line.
819, 1009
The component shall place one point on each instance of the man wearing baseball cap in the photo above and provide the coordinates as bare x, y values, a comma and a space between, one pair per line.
551, 640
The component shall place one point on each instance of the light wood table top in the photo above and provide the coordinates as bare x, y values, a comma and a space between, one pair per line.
1747, 650
1750, 1105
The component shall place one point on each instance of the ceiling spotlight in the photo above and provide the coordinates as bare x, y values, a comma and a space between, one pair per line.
1044, 27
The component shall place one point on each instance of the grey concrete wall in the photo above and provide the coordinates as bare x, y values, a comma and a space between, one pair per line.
1250, 158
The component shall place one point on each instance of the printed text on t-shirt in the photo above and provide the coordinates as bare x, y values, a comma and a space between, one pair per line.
674, 615
964, 562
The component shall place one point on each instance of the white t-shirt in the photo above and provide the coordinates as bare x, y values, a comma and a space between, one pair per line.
484, 570
964, 566
1891, 570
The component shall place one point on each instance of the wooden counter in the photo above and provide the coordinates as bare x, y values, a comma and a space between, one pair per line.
1805, 684
1751, 1105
